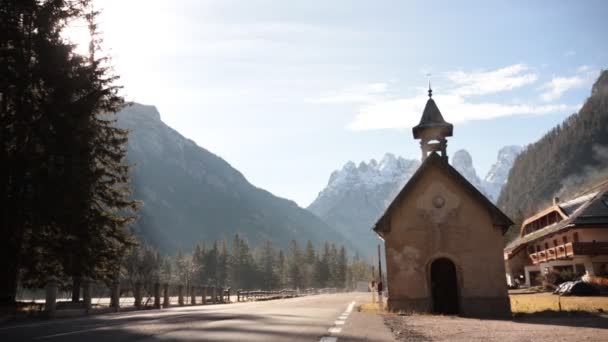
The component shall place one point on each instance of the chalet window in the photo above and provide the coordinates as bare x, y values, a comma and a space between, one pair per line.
554, 242
575, 237
546, 245
565, 239
537, 248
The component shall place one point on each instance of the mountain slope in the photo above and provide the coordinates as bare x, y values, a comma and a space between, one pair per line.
570, 157
191, 195
463, 163
499, 172
355, 196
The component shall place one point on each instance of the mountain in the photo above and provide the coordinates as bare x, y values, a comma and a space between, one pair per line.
566, 160
463, 163
356, 196
499, 172
189, 194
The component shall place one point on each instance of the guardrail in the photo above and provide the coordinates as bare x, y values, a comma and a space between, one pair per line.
100, 298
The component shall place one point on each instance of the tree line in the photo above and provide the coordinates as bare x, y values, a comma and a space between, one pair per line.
239, 266
65, 201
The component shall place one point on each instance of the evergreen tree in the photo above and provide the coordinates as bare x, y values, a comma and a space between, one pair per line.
211, 262
294, 269
223, 267
268, 266
342, 265
323, 269
64, 185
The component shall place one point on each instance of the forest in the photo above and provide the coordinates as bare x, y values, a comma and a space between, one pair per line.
570, 158
238, 266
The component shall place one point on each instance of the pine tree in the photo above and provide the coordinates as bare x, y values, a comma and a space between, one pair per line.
267, 267
211, 262
294, 265
65, 195
341, 266
223, 267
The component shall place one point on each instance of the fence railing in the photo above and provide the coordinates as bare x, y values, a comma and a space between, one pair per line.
99, 297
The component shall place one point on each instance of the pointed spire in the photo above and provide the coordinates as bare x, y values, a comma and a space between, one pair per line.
430, 90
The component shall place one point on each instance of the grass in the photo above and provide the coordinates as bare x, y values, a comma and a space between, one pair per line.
529, 303
370, 308
542, 302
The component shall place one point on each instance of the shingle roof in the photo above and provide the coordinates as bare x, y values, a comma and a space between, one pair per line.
432, 118
434, 160
583, 211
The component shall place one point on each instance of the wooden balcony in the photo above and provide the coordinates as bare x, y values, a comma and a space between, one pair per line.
542, 256
568, 250
551, 253
560, 251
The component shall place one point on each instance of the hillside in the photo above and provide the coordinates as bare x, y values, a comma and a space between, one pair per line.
189, 194
570, 157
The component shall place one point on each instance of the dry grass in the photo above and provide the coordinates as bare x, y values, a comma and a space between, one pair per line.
539, 302
372, 308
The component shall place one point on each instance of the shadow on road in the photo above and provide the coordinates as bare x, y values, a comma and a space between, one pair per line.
182, 325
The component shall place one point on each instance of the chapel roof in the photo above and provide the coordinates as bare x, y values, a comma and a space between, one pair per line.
436, 161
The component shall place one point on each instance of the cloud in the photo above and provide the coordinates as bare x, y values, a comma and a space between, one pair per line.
385, 113
555, 88
361, 94
405, 113
491, 82
583, 68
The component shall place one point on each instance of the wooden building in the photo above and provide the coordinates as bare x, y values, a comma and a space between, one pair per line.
569, 235
443, 238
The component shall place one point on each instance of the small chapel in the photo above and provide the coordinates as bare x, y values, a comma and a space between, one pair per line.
443, 238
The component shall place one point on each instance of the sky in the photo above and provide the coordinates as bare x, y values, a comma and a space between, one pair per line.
288, 91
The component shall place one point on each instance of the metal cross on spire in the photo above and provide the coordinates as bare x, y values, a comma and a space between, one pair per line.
430, 90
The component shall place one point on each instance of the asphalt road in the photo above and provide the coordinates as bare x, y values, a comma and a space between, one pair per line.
313, 318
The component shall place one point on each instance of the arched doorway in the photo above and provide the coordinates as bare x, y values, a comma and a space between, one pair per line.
444, 287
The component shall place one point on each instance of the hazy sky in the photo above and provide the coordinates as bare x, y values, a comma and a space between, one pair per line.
288, 91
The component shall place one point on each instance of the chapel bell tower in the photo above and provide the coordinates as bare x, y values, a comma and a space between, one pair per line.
433, 130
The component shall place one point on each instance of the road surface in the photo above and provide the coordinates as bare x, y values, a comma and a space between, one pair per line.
312, 318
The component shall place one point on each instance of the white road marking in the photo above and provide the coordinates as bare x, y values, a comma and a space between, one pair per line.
336, 329
328, 339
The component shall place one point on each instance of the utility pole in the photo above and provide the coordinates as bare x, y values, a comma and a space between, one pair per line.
379, 264
380, 284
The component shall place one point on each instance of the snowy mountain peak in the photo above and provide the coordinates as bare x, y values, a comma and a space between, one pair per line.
367, 175
499, 172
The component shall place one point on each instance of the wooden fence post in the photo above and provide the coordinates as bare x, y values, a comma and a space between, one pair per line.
180, 294
204, 295
228, 292
157, 295
115, 296
166, 303
238, 295
213, 296
51, 296
137, 295
192, 295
